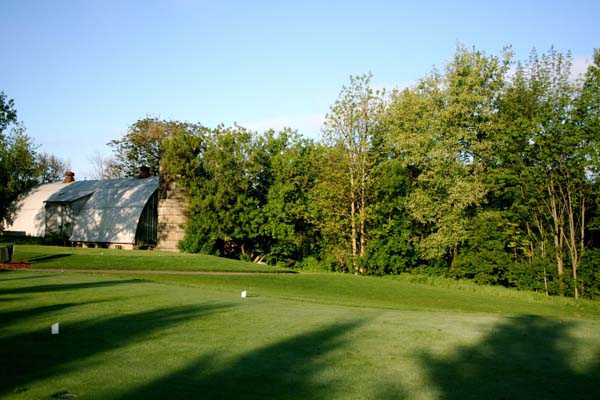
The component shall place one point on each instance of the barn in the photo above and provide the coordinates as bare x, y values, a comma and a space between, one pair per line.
115, 213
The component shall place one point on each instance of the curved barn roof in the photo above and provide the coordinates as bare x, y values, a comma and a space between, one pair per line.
113, 210
110, 213
30, 218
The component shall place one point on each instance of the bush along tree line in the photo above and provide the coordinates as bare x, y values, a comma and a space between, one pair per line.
487, 170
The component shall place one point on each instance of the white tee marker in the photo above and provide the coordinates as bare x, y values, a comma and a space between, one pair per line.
55, 329
244, 294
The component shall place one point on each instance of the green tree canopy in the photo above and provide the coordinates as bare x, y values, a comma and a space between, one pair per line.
8, 114
18, 169
440, 131
141, 146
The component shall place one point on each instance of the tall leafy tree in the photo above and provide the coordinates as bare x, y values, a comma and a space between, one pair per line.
352, 130
552, 144
18, 169
291, 234
227, 197
17, 159
554, 150
440, 129
588, 119
49, 168
141, 146
583, 168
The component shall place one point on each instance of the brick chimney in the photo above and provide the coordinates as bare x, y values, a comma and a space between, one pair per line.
144, 172
69, 177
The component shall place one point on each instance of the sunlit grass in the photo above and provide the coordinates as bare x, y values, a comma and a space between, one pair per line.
296, 336
373, 292
81, 258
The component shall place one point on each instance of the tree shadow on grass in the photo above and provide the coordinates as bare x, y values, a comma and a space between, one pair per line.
36, 355
290, 369
42, 259
17, 316
10, 317
523, 358
22, 276
67, 286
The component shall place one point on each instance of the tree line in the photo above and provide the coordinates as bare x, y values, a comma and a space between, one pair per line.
486, 170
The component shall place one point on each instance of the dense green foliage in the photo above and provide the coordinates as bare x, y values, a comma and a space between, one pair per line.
141, 147
487, 170
249, 193
8, 114
503, 169
17, 169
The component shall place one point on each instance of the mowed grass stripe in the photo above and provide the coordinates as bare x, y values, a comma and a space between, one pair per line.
335, 289
373, 292
128, 338
57, 257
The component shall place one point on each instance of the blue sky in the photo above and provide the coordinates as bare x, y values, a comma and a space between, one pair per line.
81, 72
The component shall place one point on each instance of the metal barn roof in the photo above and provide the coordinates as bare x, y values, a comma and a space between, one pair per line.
112, 212
30, 218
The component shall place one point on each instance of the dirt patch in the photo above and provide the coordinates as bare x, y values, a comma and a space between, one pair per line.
16, 264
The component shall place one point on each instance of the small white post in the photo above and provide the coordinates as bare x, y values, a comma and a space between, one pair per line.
244, 294
55, 329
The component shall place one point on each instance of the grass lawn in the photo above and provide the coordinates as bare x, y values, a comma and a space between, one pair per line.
79, 258
296, 336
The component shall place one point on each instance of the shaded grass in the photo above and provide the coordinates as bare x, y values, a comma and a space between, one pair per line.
522, 358
196, 338
59, 257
